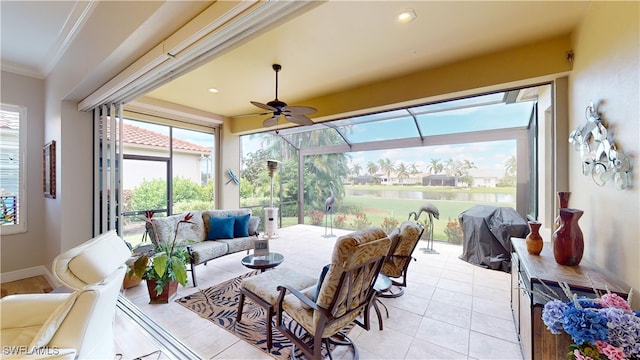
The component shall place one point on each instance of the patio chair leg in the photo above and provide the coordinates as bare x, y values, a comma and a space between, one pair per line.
193, 274
240, 307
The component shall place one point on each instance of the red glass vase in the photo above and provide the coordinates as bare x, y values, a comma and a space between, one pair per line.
563, 202
568, 243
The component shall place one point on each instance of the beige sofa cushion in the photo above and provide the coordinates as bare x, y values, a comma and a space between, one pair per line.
220, 213
208, 250
164, 229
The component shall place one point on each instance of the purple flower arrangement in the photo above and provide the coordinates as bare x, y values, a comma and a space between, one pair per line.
601, 328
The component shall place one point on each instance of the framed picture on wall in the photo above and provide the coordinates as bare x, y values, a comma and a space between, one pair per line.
49, 169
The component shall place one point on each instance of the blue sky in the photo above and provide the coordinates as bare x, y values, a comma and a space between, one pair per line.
489, 157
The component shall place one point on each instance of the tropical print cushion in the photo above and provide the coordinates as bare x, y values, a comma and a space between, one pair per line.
408, 235
265, 284
164, 229
350, 251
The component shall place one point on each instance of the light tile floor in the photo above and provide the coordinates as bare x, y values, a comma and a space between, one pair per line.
450, 310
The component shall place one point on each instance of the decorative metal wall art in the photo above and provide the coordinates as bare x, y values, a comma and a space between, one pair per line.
600, 158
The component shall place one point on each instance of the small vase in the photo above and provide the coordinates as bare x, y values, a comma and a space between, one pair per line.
563, 202
568, 243
534, 240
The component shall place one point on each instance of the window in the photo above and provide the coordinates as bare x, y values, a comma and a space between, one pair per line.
167, 170
455, 154
12, 165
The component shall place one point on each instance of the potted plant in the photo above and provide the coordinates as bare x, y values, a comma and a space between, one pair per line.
164, 268
132, 279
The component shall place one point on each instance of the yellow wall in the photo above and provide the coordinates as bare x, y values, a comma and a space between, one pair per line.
606, 71
516, 64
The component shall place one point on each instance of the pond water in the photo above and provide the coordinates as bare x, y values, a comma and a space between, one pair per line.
434, 195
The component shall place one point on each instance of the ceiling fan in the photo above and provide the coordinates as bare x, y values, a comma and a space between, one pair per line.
295, 114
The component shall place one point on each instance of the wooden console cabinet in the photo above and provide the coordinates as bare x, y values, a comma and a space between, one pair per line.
527, 273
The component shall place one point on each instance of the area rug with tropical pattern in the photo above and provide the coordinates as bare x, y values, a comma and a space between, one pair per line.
219, 304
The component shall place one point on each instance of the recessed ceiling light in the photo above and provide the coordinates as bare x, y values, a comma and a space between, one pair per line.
213, 90
406, 16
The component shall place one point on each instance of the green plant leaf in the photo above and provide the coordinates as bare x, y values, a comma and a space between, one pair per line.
160, 263
179, 270
140, 265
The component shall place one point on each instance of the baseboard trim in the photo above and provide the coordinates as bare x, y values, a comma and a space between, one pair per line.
30, 272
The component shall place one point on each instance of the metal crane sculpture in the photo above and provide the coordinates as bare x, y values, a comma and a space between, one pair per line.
432, 212
329, 204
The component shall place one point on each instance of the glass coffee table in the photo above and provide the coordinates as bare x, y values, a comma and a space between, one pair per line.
264, 262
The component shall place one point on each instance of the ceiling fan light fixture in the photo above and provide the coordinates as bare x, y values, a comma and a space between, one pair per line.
405, 16
213, 90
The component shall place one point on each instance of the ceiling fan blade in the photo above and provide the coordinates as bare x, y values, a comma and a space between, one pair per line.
264, 106
299, 110
299, 119
270, 121
248, 115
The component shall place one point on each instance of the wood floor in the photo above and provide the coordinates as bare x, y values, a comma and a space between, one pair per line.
33, 285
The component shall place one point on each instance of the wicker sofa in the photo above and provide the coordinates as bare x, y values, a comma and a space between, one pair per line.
207, 234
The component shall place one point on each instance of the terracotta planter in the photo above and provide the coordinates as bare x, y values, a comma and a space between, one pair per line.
534, 240
568, 244
563, 203
131, 280
169, 290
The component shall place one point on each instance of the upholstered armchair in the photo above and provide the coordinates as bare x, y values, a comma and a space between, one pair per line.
404, 240
77, 324
342, 296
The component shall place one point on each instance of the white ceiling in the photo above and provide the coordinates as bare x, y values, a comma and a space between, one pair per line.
334, 46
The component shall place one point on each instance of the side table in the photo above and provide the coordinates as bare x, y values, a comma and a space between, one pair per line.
263, 263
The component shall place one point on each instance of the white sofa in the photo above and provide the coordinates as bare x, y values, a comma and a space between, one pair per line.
73, 325
197, 234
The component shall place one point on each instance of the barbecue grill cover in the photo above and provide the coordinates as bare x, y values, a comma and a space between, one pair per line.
487, 235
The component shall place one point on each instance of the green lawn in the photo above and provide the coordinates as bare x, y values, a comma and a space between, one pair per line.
377, 209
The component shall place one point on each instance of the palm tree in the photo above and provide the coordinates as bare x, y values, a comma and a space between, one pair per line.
355, 170
510, 169
402, 172
510, 166
413, 168
387, 167
320, 170
372, 168
435, 167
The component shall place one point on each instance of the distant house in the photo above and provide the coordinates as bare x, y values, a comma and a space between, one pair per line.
366, 179
189, 159
438, 180
481, 179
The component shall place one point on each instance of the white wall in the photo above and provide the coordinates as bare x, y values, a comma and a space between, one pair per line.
606, 71
26, 250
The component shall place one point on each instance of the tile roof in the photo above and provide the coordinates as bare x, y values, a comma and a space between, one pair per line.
137, 135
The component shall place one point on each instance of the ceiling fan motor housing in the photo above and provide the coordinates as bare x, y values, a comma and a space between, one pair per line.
280, 105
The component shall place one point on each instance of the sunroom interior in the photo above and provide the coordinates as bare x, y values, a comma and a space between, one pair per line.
552, 80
